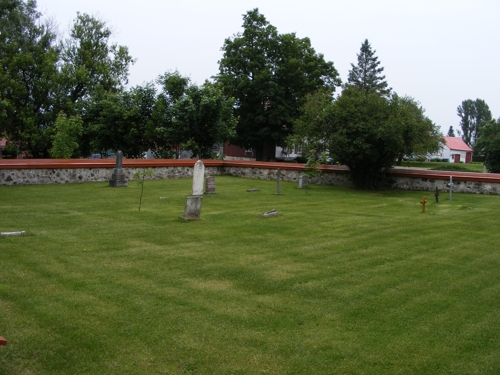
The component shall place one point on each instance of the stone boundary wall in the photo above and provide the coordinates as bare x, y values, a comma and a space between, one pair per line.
50, 171
75, 175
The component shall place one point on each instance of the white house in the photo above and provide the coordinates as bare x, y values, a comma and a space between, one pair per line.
455, 150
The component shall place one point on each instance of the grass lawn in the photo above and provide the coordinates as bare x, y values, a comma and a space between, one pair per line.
474, 167
343, 282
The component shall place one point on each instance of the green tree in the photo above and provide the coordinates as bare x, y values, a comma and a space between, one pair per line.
28, 56
65, 141
472, 113
314, 127
367, 74
488, 144
269, 76
492, 153
451, 132
194, 117
123, 120
90, 62
367, 135
420, 135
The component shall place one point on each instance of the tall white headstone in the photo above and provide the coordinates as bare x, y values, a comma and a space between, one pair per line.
198, 177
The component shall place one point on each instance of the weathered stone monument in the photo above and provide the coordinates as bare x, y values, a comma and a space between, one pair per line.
118, 178
303, 182
192, 210
210, 185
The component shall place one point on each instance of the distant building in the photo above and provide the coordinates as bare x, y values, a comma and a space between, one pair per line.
455, 150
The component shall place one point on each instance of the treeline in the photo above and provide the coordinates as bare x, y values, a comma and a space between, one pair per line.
67, 97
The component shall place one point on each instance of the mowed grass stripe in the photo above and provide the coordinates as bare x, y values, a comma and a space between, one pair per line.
344, 281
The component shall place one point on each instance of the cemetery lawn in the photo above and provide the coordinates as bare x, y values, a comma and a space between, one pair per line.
473, 167
343, 282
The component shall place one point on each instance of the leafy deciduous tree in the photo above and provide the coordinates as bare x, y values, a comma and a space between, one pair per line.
488, 144
367, 136
420, 135
195, 117
121, 121
67, 129
90, 63
472, 113
28, 56
365, 131
269, 76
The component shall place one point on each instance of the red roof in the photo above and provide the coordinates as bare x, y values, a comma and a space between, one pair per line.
456, 143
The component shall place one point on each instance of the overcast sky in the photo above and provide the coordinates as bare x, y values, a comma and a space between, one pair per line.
439, 52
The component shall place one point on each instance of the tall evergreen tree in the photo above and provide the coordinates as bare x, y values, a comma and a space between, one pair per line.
451, 132
367, 75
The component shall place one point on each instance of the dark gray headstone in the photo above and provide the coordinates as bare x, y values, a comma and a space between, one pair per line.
118, 178
210, 185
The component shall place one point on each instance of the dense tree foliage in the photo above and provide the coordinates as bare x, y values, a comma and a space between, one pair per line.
365, 131
367, 74
120, 120
269, 75
472, 113
488, 144
90, 63
42, 76
194, 117
28, 57
180, 115
420, 135
451, 132
65, 141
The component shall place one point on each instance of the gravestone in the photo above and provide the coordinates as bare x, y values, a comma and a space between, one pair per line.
198, 177
210, 185
303, 182
118, 178
271, 213
192, 210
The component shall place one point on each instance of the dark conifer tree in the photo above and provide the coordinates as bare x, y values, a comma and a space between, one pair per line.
367, 75
451, 132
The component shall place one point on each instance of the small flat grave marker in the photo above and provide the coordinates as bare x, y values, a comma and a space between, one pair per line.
252, 190
271, 213
11, 234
